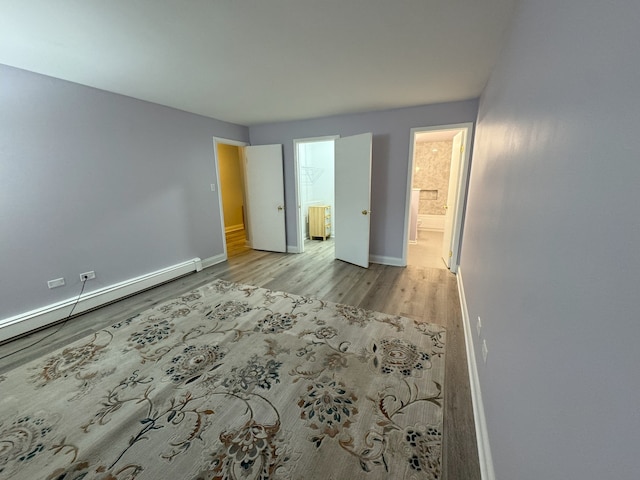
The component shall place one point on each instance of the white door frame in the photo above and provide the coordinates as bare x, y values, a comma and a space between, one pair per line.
225, 141
462, 181
296, 166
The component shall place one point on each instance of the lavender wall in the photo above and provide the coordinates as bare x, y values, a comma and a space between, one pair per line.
551, 251
391, 138
90, 180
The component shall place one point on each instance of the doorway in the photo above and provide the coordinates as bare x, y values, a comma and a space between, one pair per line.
262, 186
333, 177
437, 177
315, 173
232, 196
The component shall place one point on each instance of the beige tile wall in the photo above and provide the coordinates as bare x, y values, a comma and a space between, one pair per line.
431, 175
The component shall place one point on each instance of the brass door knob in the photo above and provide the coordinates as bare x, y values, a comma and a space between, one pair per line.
280, 208
365, 212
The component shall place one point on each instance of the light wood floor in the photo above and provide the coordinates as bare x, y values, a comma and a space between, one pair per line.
427, 252
422, 293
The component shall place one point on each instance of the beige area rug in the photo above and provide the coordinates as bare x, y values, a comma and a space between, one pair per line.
231, 381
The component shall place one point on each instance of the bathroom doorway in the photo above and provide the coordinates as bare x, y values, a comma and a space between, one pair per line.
438, 167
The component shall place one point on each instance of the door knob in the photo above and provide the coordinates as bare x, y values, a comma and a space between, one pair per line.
365, 212
280, 208
445, 207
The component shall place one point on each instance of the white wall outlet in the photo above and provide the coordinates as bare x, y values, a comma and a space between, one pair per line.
485, 351
479, 325
58, 282
87, 276
213, 187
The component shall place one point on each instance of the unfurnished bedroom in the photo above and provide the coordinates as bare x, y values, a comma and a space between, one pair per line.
209, 209
342, 240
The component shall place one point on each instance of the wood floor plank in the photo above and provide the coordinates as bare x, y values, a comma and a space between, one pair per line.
425, 294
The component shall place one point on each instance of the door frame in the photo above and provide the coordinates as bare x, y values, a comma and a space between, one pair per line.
462, 182
237, 143
296, 167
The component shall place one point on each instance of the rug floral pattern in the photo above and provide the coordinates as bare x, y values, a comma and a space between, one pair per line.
232, 382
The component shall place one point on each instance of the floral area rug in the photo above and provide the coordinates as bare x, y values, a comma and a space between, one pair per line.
231, 381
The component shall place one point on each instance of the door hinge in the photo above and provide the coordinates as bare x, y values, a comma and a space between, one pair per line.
461, 148
450, 254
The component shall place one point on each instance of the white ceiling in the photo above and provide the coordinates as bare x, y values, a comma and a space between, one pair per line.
259, 61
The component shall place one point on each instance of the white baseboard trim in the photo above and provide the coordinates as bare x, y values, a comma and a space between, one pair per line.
293, 249
482, 435
41, 317
431, 222
234, 228
208, 262
392, 261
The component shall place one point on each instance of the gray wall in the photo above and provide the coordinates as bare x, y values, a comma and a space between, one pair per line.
90, 180
391, 138
551, 251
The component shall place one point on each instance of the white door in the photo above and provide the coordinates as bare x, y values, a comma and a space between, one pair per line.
353, 198
265, 197
452, 195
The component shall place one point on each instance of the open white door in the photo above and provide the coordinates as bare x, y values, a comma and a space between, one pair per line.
452, 195
265, 197
353, 198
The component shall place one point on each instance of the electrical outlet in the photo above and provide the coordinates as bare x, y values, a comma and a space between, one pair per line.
485, 351
479, 325
213, 187
87, 276
58, 282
